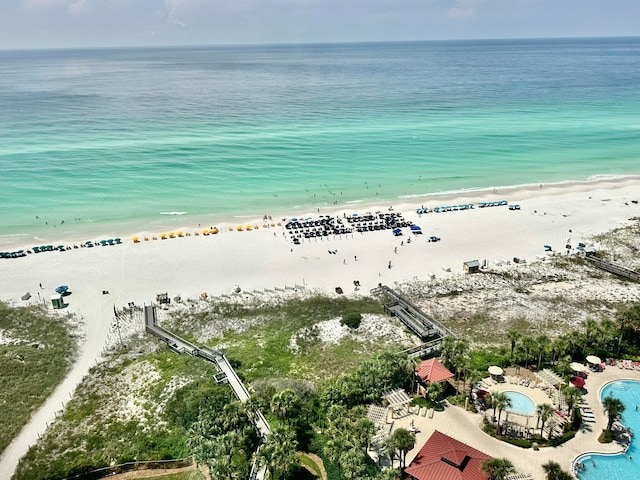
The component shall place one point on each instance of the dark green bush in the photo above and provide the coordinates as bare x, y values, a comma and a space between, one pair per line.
351, 320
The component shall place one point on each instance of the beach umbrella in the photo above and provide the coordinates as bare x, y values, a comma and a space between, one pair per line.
577, 382
62, 289
578, 367
495, 370
594, 360
415, 228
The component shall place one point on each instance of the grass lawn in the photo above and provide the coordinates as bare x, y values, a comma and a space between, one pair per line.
38, 354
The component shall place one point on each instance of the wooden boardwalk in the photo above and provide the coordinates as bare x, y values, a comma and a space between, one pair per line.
226, 372
614, 268
430, 332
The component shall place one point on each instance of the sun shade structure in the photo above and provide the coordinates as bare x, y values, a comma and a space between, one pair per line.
445, 458
432, 371
577, 382
578, 367
495, 370
550, 377
594, 360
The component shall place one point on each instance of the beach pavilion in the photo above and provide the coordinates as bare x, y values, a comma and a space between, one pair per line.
445, 458
431, 371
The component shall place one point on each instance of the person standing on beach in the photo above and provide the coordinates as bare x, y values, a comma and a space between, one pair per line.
389, 266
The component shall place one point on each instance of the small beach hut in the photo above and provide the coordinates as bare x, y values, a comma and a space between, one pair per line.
471, 266
57, 301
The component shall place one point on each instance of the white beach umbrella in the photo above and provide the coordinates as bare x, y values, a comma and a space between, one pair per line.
495, 370
594, 360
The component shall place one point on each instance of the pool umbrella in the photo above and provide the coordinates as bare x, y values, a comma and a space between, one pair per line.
495, 370
577, 382
578, 367
62, 289
594, 360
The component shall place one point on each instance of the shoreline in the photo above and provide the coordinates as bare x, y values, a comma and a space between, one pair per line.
103, 278
164, 222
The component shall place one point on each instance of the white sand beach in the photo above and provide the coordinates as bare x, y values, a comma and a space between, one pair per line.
266, 258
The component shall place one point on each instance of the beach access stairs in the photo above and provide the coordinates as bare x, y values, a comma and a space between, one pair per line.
226, 372
614, 268
430, 332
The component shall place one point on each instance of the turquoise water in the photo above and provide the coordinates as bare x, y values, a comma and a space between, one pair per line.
520, 403
620, 467
114, 139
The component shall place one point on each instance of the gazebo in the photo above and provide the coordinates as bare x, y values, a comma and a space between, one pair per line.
431, 371
445, 458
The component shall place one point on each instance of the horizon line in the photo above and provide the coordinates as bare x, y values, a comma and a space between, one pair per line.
285, 44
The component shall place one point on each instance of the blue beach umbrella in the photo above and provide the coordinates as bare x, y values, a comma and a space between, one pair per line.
62, 289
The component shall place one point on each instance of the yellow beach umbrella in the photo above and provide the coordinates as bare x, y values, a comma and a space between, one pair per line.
135, 239
204, 295
214, 230
239, 228
248, 227
172, 234
179, 233
205, 231
163, 236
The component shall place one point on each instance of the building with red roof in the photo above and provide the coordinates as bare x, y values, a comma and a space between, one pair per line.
432, 371
445, 458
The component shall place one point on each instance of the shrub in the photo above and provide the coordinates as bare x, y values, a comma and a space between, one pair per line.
351, 320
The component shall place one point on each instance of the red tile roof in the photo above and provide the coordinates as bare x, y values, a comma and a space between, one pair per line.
433, 371
444, 458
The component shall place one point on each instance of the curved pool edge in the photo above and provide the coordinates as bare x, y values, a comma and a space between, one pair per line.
587, 455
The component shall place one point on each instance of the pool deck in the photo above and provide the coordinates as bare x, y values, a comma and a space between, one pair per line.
465, 427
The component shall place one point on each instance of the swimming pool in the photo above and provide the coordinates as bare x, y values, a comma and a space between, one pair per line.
520, 403
621, 466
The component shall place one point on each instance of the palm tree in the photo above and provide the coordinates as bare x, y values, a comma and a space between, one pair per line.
528, 344
404, 441
283, 403
614, 407
498, 468
514, 336
278, 453
542, 342
554, 471
353, 463
544, 412
502, 401
572, 395
628, 319
434, 390
590, 329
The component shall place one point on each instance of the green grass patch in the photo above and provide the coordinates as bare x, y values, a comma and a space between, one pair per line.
33, 367
93, 433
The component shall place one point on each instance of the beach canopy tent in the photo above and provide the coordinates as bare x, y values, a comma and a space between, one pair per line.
495, 370
62, 289
577, 381
445, 458
432, 371
547, 248
578, 367
396, 232
592, 359
415, 228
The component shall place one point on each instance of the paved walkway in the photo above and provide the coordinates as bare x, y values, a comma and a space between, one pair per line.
465, 427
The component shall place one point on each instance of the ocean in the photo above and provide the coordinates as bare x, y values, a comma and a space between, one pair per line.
108, 141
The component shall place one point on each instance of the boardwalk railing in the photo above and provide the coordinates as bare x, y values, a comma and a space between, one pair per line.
430, 332
614, 268
226, 374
